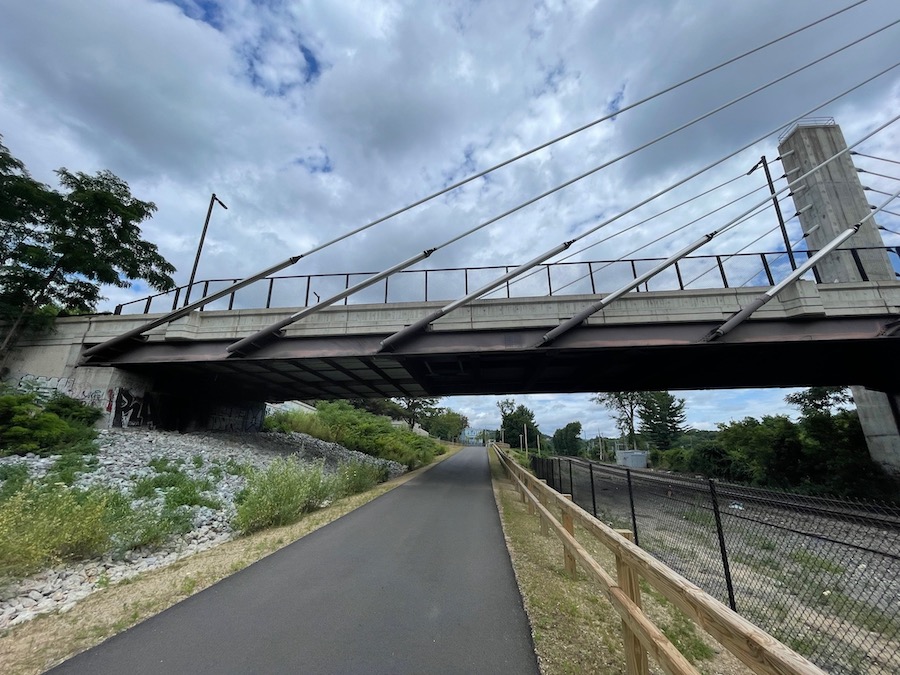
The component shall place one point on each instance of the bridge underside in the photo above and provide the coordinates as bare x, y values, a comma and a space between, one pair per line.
588, 359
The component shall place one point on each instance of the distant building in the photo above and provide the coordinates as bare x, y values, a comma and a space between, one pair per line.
470, 436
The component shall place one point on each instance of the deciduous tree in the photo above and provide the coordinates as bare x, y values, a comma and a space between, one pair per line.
624, 406
567, 441
59, 248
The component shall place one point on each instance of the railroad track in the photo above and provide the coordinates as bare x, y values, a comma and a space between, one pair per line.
834, 509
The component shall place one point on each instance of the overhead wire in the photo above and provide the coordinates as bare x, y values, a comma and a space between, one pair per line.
880, 175
625, 256
661, 137
732, 154
578, 130
646, 220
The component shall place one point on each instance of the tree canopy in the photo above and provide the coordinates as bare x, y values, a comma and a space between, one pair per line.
662, 418
59, 248
446, 424
515, 420
624, 406
567, 441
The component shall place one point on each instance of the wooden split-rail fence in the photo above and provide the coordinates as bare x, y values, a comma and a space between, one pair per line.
758, 650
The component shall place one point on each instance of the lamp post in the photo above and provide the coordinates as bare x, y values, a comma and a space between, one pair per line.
212, 200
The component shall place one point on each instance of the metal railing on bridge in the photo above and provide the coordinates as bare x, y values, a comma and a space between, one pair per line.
552, 279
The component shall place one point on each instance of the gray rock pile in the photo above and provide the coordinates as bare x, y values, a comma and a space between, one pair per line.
122, 461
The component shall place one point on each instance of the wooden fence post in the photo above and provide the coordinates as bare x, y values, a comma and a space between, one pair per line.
569, 525
545, 526
635, 654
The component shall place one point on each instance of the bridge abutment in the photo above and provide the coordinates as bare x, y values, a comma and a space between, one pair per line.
828, 202
128, 399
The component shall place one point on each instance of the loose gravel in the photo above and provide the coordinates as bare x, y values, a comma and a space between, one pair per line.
123, 459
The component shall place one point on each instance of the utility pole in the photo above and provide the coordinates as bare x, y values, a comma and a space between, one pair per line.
212, 200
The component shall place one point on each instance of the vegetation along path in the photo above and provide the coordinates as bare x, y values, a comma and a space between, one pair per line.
418, 580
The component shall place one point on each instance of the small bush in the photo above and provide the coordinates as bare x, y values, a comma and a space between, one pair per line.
13, 476
178, 488
26, 426
72, 410
131, 528
42, 525
68, 466
355, 477
299, 422
282, 493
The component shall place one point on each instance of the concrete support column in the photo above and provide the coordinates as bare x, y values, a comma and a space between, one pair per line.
830, 201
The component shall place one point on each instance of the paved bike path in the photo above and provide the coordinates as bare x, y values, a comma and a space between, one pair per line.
416, 581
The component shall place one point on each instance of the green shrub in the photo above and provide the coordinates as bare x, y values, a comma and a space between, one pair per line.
355, 477
282, 493
133, 527
42, 525
13, 476
26, 426
364, 432
72, 410
299, 422
67, 467
178, 488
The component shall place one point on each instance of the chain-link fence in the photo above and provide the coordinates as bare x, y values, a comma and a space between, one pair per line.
822, 575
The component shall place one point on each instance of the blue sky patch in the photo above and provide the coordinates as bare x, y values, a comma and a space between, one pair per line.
207, 11
615, 104
316, 163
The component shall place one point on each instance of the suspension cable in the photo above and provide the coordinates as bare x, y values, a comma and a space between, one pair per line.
662, 137
880, 175
578, 130
881, 159
659, 238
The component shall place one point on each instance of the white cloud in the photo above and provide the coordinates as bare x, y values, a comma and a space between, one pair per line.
311, 118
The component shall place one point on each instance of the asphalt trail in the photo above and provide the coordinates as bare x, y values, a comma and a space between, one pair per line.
416, 581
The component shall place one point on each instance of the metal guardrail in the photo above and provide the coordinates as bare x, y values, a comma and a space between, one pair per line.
565, 278
758, 650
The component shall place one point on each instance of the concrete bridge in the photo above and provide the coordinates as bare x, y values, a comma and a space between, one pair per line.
215, 368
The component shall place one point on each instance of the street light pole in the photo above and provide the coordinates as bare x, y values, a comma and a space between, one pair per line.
212, 200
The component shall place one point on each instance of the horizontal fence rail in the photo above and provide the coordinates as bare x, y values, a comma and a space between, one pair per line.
565, 278
758, 650
819, 574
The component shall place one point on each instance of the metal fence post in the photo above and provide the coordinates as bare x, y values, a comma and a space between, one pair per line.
571, 486
631, 502
593, 493
715, 504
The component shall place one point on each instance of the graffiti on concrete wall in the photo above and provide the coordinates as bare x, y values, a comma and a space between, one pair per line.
45, 387
127, 409
247, 417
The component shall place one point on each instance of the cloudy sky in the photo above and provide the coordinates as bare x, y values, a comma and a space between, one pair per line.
311, 119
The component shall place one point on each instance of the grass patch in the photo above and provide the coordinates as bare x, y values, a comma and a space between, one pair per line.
814, 563
355, 429
282, 493
13, 476
36, 646
44, 524
575, 628
178, 488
